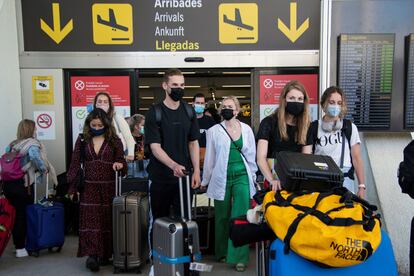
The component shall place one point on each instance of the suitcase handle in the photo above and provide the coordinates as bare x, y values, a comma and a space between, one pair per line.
35, 186
180, 184
118, 183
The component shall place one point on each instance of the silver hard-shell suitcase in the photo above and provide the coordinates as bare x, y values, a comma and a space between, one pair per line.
130, 229
176, 241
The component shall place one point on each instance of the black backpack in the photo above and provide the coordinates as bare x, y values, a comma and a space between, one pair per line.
346, 131
406, 171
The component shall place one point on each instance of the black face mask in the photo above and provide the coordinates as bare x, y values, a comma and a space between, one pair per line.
295, 108
227, 114
177, 93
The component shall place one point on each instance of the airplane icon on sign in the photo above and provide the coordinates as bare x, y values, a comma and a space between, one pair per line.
237, 21
112, 21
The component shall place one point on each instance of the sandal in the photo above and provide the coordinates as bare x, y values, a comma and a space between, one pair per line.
240, 267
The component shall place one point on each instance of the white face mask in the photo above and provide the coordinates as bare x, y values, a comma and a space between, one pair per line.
104, 107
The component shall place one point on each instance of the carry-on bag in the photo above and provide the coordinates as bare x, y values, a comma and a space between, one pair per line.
175, 241
137, 178
130, 229
7, 217
381, 263
299, 171
45, 224
204, 216
334, 228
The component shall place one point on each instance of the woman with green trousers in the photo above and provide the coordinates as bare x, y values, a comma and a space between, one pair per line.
229, 172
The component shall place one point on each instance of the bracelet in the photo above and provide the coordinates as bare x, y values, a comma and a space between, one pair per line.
362, 186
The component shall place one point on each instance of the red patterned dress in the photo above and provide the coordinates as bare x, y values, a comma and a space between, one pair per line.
95, 218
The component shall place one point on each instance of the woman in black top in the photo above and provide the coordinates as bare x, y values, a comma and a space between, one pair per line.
284, 130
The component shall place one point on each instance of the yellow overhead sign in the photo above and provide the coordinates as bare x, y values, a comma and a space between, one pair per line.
57, 34
293, 33
112, 24
238, 23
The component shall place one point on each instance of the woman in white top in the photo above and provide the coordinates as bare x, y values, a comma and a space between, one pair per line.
103, 101
230, 171
329, 137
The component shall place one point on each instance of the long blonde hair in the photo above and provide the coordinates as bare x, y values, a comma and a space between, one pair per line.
25, 129
302, 121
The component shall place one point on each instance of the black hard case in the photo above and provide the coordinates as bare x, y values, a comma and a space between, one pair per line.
298, 172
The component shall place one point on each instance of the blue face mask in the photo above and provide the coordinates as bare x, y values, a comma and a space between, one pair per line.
199, 108
141, 130
89, 107
333, 110
97, 132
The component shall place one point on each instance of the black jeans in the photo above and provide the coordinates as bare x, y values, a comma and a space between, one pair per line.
18, 196
165, 200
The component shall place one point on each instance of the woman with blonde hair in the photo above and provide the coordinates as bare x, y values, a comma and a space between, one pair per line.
137, 168
284, 130
230, 172
330, 138
20, 192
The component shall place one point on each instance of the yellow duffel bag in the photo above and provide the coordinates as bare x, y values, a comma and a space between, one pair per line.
334, 228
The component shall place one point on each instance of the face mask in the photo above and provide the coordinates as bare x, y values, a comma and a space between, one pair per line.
97, 132
104, 107
331, 125
177, 93
199, 108
227, 114
89, 107
295, 108
333, 110
141, 130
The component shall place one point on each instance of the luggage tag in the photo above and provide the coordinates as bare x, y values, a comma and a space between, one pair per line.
201, 267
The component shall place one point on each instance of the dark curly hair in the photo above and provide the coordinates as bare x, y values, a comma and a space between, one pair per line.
100, 114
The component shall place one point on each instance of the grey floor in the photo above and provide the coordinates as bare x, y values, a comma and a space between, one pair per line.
66, 263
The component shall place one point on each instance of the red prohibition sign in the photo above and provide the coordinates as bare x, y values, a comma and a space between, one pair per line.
44, 120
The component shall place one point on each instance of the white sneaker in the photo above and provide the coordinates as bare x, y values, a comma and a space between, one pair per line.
151, 272
20, 253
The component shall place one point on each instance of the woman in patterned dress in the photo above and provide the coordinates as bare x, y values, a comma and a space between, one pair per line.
103, 155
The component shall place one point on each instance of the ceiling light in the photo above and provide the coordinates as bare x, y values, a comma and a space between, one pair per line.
147, 98
143, 86
187, 97
236, 73
238, 97
192, 86
236, 86
144, 108
188, 73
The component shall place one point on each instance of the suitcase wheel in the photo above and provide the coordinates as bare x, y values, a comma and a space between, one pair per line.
58, 249
117, 270
34, 253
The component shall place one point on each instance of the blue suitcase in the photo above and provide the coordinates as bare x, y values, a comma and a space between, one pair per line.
382, 262
45, 225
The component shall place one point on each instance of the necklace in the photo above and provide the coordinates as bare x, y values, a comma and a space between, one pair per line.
232, 128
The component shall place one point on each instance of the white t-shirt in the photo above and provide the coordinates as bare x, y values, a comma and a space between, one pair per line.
331, 144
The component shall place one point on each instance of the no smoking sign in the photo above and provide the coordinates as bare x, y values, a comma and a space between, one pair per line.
45, 122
